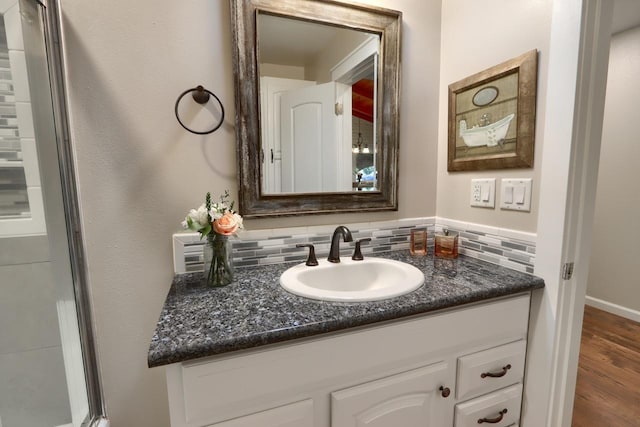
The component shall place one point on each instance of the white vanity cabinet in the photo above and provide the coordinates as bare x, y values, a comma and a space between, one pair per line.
452, 367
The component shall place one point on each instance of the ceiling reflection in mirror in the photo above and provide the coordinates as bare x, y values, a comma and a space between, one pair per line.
318, 87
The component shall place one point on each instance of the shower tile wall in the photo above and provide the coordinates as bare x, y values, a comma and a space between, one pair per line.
20, 188
13, 185
36, 406
33, 390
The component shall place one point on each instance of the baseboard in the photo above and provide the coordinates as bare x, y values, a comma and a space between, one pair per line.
103, 422
627, 313
96, 422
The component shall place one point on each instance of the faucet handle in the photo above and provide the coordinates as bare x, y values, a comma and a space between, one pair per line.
357, 253
311, 259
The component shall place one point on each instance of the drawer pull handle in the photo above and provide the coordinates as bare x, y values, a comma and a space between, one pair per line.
498, 375
445, 391
495, 420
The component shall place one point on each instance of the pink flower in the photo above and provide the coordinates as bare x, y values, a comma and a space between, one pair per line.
227, 225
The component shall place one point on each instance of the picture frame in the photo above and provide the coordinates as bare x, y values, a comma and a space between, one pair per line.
492, 117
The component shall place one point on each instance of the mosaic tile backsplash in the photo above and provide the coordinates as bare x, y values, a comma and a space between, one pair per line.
507, 251
279, 245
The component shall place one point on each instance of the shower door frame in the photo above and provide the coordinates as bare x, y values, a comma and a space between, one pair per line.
52, 39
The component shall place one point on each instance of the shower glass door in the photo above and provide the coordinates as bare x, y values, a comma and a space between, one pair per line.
42, 371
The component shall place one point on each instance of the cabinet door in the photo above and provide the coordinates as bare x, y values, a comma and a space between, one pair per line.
299, 414
409, 399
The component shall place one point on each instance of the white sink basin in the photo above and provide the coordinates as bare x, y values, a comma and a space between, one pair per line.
368, 280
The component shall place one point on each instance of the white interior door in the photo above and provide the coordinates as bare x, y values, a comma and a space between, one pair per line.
271, 90
578, 60
308, 137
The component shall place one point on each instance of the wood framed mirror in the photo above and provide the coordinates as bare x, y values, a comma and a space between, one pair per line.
317, 91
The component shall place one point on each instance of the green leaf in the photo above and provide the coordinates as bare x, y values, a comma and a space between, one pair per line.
191, 225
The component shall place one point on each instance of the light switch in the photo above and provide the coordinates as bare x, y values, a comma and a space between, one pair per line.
508, 194
515, 194
518, 193
483, 193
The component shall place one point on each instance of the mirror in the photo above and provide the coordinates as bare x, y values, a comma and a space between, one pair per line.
316, 106
485, 96
317, 87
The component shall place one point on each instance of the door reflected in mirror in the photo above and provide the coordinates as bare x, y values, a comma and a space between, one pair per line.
318, 103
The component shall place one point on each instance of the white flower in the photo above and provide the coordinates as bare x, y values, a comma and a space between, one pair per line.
215, 214
200, 216
197, 219
193, 216
239, 221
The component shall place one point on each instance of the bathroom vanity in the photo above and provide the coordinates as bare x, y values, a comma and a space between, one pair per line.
451, 353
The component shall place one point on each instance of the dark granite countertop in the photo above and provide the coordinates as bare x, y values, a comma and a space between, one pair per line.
197, 321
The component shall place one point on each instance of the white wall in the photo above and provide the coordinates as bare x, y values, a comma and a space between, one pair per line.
343, 44
615, 251
476, 36
139, 172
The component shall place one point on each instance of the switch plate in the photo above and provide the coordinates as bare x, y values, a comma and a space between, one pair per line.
515, 194
483, 193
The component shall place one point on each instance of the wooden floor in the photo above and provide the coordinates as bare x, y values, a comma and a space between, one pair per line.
608, 386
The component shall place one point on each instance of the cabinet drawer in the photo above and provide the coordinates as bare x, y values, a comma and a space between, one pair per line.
491, 369
500, 409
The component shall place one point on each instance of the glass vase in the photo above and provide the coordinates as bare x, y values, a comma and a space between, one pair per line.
218, 260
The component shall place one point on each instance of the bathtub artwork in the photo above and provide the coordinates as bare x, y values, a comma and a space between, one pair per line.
492, 117
490, 134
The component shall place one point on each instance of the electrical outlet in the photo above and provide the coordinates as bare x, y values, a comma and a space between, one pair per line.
476, 189
483, 193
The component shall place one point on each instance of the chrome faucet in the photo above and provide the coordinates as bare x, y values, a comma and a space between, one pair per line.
334, 253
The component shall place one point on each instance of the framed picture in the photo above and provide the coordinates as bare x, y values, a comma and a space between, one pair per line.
492, 117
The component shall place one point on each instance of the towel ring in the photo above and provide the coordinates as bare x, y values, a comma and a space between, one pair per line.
201, 96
